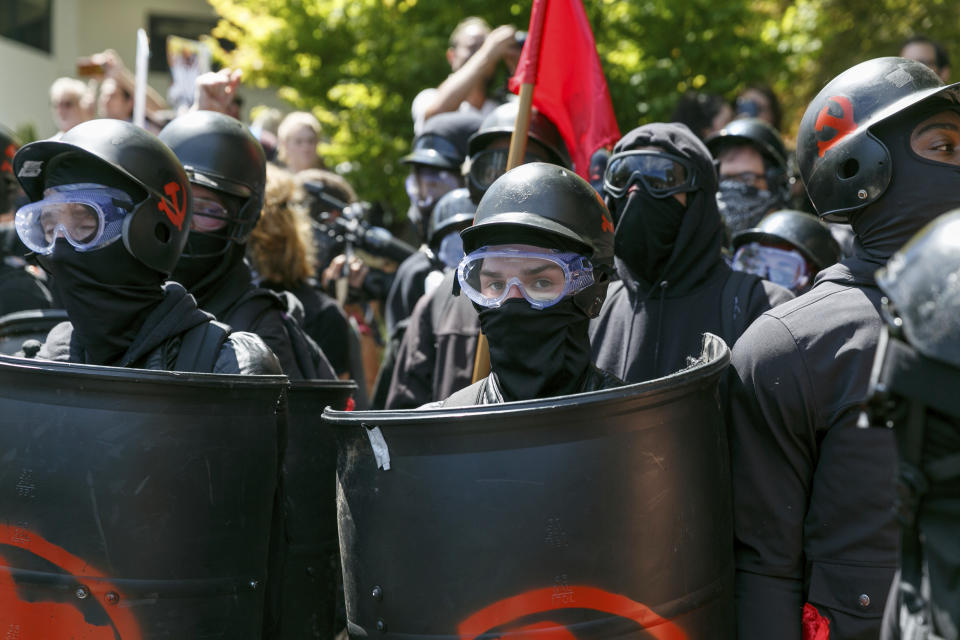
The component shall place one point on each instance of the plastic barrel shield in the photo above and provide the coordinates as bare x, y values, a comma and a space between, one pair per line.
134, 504
599, 515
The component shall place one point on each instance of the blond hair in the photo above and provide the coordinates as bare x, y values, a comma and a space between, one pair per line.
282, 247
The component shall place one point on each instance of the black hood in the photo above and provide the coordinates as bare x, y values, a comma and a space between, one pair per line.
696, 253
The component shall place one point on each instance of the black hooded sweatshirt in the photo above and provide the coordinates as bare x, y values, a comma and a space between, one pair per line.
648, 329
813, 494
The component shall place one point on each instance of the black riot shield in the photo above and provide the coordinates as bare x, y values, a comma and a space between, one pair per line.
16, 328
306, 567
134, 504
599, 515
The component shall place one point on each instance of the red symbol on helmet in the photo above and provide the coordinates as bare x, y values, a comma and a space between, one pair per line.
179, 211
605, 224
841, 126
504, 615
8, 152
34, 617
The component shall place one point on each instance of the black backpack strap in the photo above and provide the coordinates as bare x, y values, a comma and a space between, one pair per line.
200, 347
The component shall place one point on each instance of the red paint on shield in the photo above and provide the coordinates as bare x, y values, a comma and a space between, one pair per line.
841, 126
55, 620
573, 597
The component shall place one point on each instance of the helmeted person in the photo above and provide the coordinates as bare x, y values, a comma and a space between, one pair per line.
660, 187
753, 172
816, 535
539, 257
109, 214
227, 170
438, 352
435, 169
913, 392
787, 248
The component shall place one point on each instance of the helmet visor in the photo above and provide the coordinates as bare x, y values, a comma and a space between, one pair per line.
426, 185
780, 266
663, 174
491, 275
87, 215
208, 215
487, 166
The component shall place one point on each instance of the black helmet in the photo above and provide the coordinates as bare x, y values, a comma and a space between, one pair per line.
843, 164
500, 123
760, 135
553, 201
443, 141
920, 282
454, 209
157, 228
220, 153
8, 183
811, 237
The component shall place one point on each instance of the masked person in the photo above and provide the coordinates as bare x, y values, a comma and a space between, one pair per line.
438, 352
753, 172
110, 211
816, 536
227, 171
913, 393
434, 164
538, 261
787, 248
660, 186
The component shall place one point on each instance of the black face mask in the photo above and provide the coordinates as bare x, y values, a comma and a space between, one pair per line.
537, 354
742, 206
919, 191
646, 233
197, 273
107, 294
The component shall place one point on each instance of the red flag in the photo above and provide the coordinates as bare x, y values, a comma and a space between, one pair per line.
560, 58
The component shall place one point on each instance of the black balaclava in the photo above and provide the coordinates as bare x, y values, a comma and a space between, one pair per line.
919, 189
536, 353
658, 239
107, 293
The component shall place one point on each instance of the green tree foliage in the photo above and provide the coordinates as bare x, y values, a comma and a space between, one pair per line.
357, 64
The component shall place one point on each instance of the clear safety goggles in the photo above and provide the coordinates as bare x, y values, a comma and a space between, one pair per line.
425, 185
487, 166
491, 275
208, 215
87, 215
663, 174
451, 250
780, 266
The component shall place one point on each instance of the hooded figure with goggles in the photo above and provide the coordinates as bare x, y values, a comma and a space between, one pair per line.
227, 170
660, 186
538, 261
817, 536
109, 214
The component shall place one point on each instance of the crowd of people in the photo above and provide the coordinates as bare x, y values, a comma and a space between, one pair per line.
212, 245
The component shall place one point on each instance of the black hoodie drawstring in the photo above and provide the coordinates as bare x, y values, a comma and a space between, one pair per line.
656, 348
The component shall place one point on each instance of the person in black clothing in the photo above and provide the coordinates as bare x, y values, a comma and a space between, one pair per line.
816, 536
435, 164
437, 356
913, 392
538, 260
227, 170
110, 211
282, 252
660, 186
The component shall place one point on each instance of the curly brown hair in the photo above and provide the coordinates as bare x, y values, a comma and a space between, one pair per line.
282, 247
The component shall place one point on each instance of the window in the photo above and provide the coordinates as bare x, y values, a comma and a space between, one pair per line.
27, 21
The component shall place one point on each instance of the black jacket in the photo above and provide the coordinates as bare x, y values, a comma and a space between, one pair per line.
812, 492
437, 353
157, 344
237, 302
20, 290
646, 332
487, 390
409, 284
